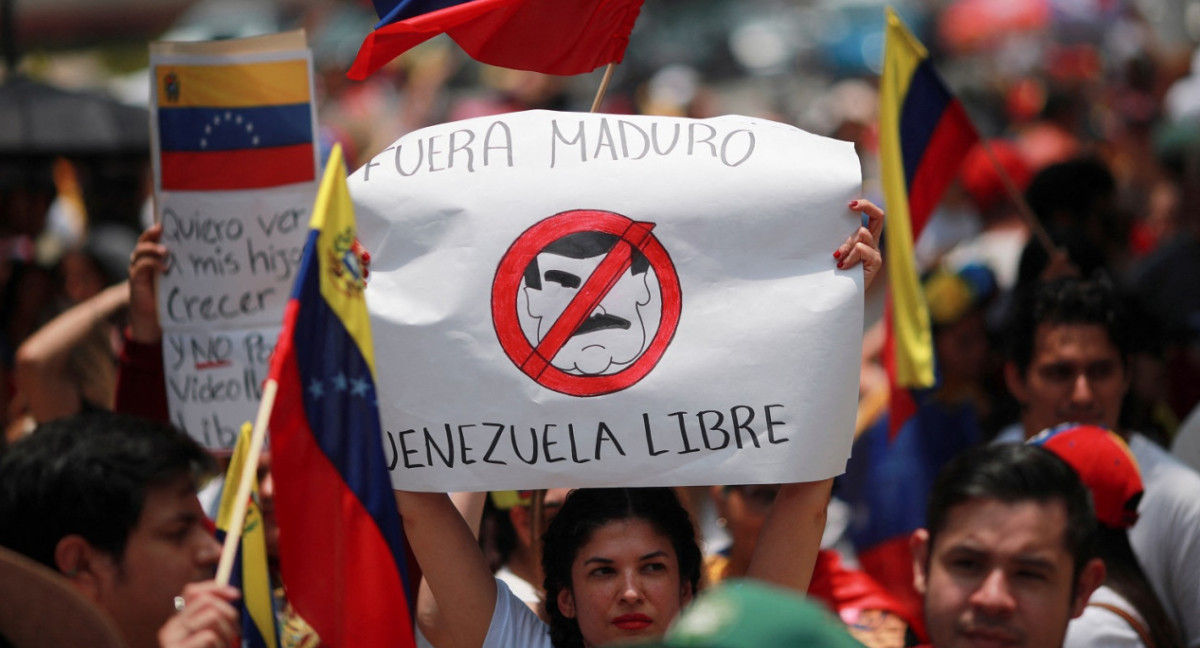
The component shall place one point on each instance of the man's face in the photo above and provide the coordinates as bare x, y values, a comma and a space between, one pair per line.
612, 336
999, 574
1076, 375
169, 548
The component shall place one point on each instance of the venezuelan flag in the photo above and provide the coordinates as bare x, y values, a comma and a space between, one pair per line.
548, 36
341, 546
235, 126
250, 573
924, 133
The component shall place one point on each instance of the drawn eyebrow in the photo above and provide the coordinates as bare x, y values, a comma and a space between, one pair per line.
565, 278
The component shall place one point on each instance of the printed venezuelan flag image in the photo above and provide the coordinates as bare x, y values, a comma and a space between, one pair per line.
237, 126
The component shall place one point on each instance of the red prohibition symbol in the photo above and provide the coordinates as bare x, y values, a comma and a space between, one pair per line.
631, 237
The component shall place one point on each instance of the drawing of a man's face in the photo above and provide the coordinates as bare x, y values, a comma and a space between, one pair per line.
614, 334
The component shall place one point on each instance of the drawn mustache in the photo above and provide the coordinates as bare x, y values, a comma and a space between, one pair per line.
601, 321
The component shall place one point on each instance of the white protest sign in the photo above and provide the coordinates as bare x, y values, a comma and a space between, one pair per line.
235, 164
565, 299
214, 380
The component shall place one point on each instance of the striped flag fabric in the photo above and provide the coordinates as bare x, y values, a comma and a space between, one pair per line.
235, 126
924, 134
548, 36
341, 548
250, 572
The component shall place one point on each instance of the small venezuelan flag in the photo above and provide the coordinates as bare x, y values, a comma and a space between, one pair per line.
341, 544
250, 573
235, 126
924, 133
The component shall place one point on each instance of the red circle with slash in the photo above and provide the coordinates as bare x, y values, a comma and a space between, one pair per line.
535, 361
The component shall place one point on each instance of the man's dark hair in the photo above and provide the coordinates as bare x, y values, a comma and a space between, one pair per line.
88, 475
587, 510
1067, 301
582, 245
1014, 473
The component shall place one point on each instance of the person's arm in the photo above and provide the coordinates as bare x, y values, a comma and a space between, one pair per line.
141, 378
430, 619
452, 564
791, 535
149, 259
42, 379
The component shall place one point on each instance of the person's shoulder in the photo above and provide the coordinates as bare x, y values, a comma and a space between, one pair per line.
1166, 478
1157, 462
514, 624
1100, 626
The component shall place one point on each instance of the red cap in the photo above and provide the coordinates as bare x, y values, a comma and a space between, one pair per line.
1105, 465
982, 180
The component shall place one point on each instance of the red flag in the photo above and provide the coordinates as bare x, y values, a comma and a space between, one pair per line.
549, 36
340, 540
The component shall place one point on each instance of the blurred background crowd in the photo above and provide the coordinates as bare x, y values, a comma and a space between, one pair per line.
1092, 107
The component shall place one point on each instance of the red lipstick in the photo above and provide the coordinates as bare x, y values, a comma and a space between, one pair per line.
632, 621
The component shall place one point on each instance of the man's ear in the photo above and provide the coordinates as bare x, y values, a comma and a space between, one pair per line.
566, 602
1015, 382
79, 562
918, 545
1090, 577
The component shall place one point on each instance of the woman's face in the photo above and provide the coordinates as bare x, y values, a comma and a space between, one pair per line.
625, 584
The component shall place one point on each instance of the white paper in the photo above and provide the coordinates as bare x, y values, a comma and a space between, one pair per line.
756, 381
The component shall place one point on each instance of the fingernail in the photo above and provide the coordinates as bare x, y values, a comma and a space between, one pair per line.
837, 254
366, 256
853, 204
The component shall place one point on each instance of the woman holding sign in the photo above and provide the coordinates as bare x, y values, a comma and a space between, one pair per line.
619, 563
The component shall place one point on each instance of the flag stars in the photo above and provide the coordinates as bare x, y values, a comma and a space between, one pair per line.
229, 128
315, 389
339, 381
359, 387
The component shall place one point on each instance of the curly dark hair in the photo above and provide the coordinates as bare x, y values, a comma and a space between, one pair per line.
586, 511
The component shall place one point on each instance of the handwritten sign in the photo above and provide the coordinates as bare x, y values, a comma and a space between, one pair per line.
565, 299
235, 170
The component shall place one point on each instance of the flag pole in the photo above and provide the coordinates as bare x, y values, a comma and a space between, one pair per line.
608, 73
1035, 226
234, 534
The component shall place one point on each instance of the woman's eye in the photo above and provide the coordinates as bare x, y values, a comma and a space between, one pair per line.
654, 567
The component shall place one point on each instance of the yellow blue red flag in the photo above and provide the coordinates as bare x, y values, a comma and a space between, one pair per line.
236, 126
924, 133
342, 554
250, 573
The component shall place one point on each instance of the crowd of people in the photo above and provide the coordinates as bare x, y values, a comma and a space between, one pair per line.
1043, 493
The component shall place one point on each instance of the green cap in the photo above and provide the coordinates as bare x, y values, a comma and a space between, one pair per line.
751, 614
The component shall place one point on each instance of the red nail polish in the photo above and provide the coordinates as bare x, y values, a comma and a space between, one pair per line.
839, 264
853, 204
366, 256
837, 254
